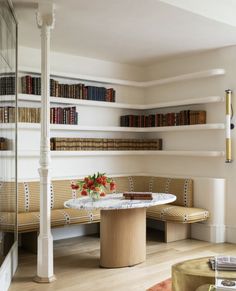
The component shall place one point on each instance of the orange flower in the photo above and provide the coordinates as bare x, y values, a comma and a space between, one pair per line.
99, 180
112, 186
74, 187
84, 193
90, 182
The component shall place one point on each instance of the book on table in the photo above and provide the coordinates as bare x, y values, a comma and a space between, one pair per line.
138, 195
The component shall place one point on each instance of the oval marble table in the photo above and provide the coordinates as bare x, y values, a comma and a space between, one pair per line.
122, 226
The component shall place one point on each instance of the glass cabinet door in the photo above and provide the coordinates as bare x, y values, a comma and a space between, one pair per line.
8, 117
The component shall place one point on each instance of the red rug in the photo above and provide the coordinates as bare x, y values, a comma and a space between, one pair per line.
162, 286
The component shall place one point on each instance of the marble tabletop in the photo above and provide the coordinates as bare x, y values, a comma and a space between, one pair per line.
117, 201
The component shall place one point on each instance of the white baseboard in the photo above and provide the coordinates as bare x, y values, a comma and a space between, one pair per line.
8, 267
231, 234
207, 232
74, 231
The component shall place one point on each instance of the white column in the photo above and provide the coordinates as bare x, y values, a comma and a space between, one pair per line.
45, 272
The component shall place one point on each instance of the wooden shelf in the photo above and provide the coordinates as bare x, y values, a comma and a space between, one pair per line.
67, 127
182, 77
55, 154
80, 102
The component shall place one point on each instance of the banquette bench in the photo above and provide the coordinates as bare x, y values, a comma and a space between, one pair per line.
177, 216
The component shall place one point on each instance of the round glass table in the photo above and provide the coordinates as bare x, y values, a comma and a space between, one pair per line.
122, 226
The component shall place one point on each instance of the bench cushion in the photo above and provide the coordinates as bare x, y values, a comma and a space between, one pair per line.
59, 217
179, 214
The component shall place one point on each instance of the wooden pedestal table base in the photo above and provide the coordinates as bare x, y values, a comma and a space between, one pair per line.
122, 226
122, 237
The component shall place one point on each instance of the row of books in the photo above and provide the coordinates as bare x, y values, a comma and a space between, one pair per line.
7, 85
3, 144
58, 115
185, 117
32, 85
83, 144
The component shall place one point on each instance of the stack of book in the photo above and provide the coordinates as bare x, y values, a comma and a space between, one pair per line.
32, 85
3, 144
223, 263
137, 195
7, 85
58, 115
185, 117
106, 144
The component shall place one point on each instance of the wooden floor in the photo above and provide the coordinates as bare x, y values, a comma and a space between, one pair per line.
77, 265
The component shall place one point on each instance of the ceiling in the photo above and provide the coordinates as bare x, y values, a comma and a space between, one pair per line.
136, 32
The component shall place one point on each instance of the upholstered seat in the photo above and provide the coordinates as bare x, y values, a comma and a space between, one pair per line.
59, 217
177, 213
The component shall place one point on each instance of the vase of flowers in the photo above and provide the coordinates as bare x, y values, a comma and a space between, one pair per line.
94, 186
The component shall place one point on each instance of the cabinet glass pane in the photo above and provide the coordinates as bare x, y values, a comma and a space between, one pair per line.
8, 196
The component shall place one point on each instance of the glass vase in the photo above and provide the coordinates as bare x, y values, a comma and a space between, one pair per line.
94, 195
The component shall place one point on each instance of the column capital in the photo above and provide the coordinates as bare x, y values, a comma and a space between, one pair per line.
45, 14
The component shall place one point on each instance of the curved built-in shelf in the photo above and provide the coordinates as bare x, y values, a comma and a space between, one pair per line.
209, 126
67, 127
182, 77
139, 153
55, 154
80, 102
185, 77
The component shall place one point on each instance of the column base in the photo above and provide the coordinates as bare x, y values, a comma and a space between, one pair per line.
38, 279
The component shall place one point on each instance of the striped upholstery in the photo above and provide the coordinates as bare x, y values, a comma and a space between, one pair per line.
7, 196
59, 217
123, 184
60, 191
181, 188
177, 213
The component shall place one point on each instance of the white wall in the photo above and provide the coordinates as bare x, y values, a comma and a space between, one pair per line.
209, 140
29, 57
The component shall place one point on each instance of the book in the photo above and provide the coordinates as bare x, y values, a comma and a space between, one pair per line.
138, 195
223, 263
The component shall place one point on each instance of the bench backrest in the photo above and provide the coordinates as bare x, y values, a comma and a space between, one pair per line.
60, 191
182, 188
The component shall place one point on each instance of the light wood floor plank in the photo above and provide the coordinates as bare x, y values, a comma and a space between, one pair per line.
77, 265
